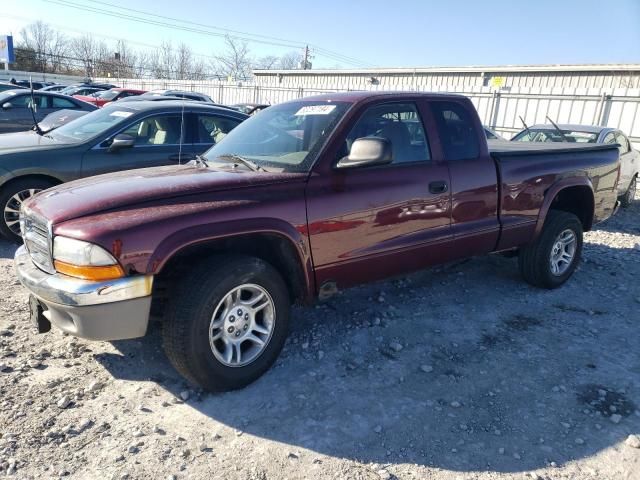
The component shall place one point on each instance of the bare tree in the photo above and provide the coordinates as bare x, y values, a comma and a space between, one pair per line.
289, 61
269, 62
184, 62
85, 49
49, 45
235, 62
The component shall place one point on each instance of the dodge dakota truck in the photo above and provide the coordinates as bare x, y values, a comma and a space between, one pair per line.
301, 201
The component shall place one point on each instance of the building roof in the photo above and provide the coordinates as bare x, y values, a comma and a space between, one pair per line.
607, 68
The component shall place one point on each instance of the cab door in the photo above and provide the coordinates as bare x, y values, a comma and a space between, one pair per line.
372, 222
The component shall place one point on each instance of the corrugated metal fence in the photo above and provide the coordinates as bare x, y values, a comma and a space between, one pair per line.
499, 109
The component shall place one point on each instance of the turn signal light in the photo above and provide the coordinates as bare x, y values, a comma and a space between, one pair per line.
107, 272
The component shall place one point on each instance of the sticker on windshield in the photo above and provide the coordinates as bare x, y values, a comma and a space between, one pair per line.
120, 113
316, 110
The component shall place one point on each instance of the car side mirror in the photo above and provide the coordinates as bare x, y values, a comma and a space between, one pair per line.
367, 152
7, 106
120, 141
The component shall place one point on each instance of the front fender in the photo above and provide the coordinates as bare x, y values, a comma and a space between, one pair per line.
200, 234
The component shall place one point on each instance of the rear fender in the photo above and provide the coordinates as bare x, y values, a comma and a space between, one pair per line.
554, 190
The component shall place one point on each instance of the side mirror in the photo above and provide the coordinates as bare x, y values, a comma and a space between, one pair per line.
120, 141
7, 106
367, 152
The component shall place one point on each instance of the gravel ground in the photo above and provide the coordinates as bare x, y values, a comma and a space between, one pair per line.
461, 372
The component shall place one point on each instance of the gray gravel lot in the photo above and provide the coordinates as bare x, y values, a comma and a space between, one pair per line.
461, 372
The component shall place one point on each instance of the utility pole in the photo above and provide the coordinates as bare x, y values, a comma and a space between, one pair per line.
305, 64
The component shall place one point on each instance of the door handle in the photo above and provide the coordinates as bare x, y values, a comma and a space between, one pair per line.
182, 157
438, 187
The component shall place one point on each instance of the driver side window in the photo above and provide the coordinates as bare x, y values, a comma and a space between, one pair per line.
157, 130
400, 123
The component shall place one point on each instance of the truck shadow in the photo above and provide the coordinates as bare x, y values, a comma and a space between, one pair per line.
7, 249
507, 382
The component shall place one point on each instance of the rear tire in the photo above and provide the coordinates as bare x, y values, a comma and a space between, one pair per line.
552, 258
630, 194
11, 198
200, 309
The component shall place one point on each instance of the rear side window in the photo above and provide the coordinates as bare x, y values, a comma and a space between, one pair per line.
57, 102
457, 131
212, 128
624, 143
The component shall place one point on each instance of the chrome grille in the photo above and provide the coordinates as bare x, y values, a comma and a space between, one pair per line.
35, 233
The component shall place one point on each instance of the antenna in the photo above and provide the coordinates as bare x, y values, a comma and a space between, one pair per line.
181, 133
36, 127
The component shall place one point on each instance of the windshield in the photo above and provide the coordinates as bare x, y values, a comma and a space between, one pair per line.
91, 124
106, 94
285, 136
553, 135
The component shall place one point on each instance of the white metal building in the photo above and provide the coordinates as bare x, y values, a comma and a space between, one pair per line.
458, 78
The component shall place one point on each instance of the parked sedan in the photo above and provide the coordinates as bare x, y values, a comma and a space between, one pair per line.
199, 97
16, 108
37, 85
120, 136
8, 86
53, 88
100, 99
71, 91
629, 158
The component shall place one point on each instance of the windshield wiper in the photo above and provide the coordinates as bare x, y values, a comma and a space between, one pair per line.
200, 160
254, 167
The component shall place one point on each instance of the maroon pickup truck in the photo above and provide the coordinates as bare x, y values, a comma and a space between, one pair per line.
305, 199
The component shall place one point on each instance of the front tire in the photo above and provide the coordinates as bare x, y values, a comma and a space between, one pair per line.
552, 258
630, 194
11, 198
227, 322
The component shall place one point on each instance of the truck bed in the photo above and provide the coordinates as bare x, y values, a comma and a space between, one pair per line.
527, 170
500, 148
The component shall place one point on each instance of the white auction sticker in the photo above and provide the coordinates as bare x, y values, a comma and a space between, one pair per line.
120, 113
316, 110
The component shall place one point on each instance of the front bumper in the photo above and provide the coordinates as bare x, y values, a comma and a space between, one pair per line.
108, 310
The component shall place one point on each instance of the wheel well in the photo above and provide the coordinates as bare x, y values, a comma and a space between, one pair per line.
34, 176
274, 249
577, 200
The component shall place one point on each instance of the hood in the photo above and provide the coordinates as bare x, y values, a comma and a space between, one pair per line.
24, 141
132, 187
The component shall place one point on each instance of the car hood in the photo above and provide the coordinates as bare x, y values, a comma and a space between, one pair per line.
133, 187
24, 141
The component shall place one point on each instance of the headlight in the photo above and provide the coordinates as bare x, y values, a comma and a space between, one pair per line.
77, 258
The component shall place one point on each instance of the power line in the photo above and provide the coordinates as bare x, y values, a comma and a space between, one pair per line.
235, 32
243, 36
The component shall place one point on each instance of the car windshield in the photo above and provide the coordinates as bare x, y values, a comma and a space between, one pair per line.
106, 94
285, 136
91, 125
553, 135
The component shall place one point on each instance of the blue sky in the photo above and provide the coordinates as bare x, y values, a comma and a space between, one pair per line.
375, 32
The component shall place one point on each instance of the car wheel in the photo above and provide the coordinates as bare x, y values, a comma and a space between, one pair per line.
630, 194
12, 197
227, 322
552, 258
